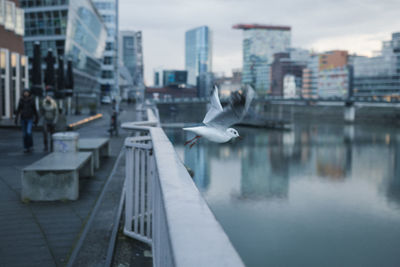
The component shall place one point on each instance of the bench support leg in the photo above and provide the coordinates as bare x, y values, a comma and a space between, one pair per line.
105, 150
88, 169
50, 185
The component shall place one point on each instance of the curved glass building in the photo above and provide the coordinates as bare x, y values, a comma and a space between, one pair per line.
72, 29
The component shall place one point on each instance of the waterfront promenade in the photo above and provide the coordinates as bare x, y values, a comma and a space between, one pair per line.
51, 233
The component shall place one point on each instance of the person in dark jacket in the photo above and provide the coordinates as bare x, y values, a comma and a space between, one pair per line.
28, 113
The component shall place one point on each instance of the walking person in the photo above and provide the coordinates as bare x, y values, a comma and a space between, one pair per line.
114, 118
29, 116
49, 112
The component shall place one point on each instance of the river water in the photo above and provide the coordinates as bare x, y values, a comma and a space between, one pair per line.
318, 195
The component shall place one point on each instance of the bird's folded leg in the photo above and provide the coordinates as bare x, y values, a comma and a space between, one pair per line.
191, 145
193, 139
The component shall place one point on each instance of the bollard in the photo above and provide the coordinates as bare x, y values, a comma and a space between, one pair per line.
65, 142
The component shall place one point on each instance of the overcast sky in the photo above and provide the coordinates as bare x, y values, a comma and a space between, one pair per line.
355, 25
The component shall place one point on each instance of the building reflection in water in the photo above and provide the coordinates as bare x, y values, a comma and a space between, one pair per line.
267, 160
264, 170
198, 160
392, 183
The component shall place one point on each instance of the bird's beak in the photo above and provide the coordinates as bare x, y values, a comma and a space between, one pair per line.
240, 137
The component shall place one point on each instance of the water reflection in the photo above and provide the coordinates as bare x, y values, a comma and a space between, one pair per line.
199, 162
319, 195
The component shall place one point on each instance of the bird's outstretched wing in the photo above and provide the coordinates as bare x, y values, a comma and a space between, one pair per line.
215, 108
238, 106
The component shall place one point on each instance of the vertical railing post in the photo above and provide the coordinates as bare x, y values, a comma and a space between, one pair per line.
129, 189
136, 190
142, 192
150, 179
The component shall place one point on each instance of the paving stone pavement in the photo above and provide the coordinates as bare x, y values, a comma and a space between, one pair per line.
45, 233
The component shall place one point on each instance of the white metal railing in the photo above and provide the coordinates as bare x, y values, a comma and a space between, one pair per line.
164, 208
138, 209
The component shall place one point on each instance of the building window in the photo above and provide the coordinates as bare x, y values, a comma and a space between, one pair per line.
107, 60
109, 46
2, 12
104, 5
108, 18
9, 22
19, 21
107, 74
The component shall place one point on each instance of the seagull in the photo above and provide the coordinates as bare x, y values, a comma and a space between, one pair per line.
217, 119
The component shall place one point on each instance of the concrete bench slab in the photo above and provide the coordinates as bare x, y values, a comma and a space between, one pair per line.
56, 176
98, 146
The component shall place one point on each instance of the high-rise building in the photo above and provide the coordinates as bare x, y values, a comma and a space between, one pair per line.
260, 43
73, 29
13, 62
131, 55
379, 76
108, 10
198, 52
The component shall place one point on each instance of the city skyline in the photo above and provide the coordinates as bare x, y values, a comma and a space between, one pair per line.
322, 26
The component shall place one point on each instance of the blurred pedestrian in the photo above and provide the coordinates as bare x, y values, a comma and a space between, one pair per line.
29, 116
114, 118
49, 112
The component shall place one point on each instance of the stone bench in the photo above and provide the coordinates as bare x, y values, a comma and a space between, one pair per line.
98, 146
56, 176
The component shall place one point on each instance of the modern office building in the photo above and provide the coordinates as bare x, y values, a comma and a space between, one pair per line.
310, 77
109, 80
125, 83
13, 62
286, 76
171, 78
205, 82
260, 43
158, 77
198, 52
334, 83
73, 29
131, 56
333, 76
379, 76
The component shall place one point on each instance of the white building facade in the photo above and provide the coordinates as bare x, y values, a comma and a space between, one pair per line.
108, 9
260, 43
14, 76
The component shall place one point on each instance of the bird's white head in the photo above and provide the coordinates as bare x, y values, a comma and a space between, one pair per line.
232, 133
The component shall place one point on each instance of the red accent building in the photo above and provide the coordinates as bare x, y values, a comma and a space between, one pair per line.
260, 26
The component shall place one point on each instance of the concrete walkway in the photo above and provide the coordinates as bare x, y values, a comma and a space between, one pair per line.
45, 233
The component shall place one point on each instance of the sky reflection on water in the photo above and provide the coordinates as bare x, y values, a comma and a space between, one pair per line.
320, 195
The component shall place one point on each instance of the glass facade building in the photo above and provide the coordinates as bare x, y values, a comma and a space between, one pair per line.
73, 29
131, 55
198, 53
13, 62
260, 43
108, 10
379, 76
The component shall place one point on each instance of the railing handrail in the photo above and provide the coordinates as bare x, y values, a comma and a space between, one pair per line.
195, 236
160, 193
